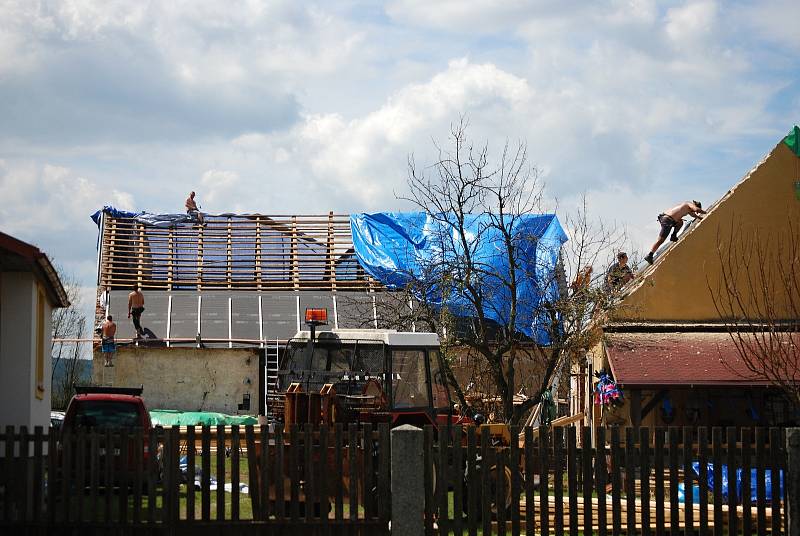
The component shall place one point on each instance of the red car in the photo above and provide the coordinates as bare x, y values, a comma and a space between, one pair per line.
97, 409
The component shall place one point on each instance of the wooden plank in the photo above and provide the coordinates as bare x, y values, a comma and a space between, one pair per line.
369, 474
138, 471
27, 479
65, 473
175, 474
352, 444
761, 484
52, 473
472, 488
616, 483
572, 480
644, 477
458, 480
94, 475
775, 466
220, 473
38, 473
308, 466
428, 477
601, 472
280, 503
339, 454
516, 481
731, 458
658, 467
205, 475
190, 472
586, 468
322, 473
716, 452
702, 458
558, 479
236, 448
384, 481
81, 477
294, 476
688, 480
108, 481
252, 472
630, 479
486, 461
264, 473
745, 465
152, 472
442, 482
501, 463
544, 468
123, 475
673, 480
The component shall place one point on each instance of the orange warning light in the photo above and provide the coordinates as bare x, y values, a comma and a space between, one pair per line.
316, 317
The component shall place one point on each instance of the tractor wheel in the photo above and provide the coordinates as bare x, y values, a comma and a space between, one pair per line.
493, 503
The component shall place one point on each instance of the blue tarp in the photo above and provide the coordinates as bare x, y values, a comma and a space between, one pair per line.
726, 486
145, 218
400, 248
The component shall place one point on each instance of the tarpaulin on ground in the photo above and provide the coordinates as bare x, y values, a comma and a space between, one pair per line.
400, 248
167, 417
738, 490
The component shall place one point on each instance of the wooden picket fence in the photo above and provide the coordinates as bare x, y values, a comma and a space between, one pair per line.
329, 480
619, 481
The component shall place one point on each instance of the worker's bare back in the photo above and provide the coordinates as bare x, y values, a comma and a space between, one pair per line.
135, 299
679, 211
109, 329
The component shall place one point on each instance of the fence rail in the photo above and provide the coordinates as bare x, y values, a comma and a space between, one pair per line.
332, 480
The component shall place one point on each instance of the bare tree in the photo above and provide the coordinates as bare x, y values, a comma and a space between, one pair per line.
68, 323
476, 206
758, 297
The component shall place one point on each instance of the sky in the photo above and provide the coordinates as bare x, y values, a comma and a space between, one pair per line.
287, 107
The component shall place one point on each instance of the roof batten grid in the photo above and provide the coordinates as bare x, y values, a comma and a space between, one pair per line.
258, 252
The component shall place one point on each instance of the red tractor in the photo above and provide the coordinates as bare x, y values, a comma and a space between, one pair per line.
365, 376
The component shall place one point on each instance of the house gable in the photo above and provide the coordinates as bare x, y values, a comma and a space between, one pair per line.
679, 286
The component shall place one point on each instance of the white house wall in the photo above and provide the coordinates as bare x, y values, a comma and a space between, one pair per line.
18, 402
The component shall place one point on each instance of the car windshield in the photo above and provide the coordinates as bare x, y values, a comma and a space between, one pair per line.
106, 414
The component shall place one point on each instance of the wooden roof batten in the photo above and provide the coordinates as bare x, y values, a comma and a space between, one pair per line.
232, 251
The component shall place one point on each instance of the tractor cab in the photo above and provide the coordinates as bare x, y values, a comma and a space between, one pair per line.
348, 376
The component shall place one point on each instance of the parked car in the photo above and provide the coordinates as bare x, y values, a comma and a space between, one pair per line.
96, 409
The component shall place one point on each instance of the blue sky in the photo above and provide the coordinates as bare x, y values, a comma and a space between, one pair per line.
304, 107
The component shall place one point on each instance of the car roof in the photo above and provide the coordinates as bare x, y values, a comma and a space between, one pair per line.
109, 397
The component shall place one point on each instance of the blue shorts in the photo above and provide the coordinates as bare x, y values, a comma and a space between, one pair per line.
109, 347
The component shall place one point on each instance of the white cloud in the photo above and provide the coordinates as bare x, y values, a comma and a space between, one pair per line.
691, 23
215, 181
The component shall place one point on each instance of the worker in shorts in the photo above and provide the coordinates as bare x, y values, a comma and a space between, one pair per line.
672, 220
108, 330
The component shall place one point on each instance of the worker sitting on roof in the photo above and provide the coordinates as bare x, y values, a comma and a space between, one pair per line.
672, 220
618, 273
192, 210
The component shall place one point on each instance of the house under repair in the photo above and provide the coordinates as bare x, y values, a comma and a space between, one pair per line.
669, 345
222, 299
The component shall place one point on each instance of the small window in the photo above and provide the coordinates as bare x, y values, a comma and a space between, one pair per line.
438, 382
408, 379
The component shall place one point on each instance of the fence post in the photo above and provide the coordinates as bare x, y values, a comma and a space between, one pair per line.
408, 496
792, 481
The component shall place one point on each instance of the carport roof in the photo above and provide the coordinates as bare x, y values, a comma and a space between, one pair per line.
677, 359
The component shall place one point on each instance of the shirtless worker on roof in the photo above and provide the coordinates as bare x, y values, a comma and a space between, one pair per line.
672, 220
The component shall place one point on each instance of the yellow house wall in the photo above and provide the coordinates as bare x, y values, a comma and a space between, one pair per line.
678, 287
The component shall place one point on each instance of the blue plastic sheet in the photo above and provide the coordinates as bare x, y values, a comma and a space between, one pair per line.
401, 248
738, 483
